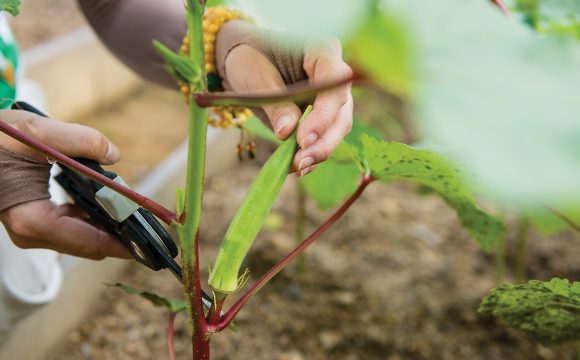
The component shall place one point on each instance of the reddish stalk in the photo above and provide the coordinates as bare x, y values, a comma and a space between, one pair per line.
199, 340
564, 218
170, 341
235, 309
213, 316
161, 212
297, 92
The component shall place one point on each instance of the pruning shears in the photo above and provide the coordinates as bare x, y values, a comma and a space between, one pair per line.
138, 230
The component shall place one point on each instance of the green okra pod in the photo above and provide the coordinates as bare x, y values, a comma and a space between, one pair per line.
250, 216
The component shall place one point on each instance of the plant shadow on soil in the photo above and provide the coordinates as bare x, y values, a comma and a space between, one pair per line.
396, 278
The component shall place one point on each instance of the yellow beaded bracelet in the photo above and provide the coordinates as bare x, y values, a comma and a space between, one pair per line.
220, 117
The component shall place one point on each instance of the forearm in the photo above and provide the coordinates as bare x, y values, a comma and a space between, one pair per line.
128, 27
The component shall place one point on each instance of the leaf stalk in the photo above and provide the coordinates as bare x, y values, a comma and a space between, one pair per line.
235, 309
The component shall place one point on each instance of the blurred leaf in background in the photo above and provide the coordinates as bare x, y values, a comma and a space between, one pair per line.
157, 300
382, 48
552, 17
499, 98
312, 18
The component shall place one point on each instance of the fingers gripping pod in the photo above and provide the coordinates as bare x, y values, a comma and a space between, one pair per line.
138, 230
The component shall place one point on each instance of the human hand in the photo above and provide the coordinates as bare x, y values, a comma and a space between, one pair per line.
249, 70
36, 222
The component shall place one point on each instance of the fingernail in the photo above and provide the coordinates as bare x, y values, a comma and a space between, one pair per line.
304, 163
308, 140
113, 154
307, 171
283, 122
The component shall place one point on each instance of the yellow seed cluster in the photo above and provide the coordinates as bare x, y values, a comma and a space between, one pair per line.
213, 20
219, 117
184, 49
226, 117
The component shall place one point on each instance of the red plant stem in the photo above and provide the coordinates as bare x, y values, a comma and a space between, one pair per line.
502, 6
233, 311
199, 340
170, 330
297, 92
214, 313
158, 210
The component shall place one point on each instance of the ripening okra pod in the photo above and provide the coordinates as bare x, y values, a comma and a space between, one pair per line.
250, 216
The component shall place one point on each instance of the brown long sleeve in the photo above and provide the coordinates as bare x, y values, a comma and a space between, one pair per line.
22, 179
128, 27
284, 51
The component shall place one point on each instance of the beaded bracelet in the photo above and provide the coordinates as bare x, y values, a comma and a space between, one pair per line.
224, 116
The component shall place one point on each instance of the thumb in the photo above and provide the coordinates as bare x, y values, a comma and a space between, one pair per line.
73, 140
283, 117
265, 78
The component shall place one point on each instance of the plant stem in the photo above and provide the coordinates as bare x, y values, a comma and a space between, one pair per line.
158, 210
521, 250
300, 222
170, 331
214, 313
500, 260
189, 231
297, 92
235, 309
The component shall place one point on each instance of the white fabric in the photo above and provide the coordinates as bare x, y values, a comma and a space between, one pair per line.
28, 278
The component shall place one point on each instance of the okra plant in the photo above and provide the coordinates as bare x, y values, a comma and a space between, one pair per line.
454, 62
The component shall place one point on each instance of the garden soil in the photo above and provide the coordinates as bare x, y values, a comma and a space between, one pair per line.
396, 278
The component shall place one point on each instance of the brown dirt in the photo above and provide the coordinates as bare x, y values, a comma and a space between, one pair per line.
41, 20
397, 278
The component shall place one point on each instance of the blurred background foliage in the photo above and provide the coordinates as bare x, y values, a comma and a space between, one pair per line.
497, 94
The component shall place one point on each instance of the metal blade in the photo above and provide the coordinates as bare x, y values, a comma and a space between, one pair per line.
172, 265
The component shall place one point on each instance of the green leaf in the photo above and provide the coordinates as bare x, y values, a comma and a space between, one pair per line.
179, 66
350, 149
331, 183
156, 300
359, 128
547, 312
346, 152
383, 49
12, 6
337, 178
390, 161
